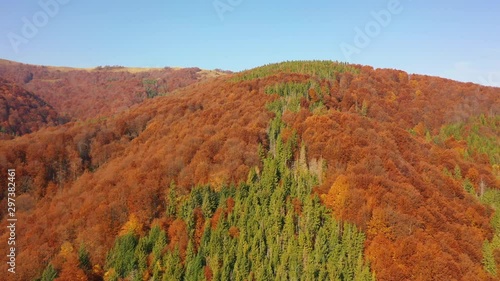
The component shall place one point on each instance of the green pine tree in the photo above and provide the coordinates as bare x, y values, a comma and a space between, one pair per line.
49, 274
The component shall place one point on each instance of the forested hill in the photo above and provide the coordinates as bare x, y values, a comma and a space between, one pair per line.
22, 112
308, 170
102, 91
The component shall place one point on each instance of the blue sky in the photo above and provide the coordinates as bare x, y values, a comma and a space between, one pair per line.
453, 39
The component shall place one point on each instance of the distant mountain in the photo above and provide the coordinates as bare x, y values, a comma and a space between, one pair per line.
101, 91
22, 112
311, 170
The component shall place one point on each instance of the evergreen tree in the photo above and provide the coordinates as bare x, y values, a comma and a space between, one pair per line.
49, 274
122, 256
208, 206
159, 245
468, 186
171, 209
489, 259
141, 254
173, 266
84, 258
194, 265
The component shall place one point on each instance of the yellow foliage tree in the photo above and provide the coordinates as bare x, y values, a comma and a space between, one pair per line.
420, 129
391, 96
378, 224
132, 225
337, 196
66, 249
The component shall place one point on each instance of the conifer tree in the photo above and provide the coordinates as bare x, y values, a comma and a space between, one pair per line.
49, 274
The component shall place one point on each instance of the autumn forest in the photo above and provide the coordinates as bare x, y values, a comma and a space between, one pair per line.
300, 170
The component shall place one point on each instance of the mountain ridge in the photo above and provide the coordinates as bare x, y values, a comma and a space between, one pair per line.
96, 92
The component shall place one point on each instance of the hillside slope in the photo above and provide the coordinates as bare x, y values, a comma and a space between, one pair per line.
102, 91
370, 137
22, 112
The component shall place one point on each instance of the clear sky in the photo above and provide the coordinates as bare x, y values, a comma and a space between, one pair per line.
454, 39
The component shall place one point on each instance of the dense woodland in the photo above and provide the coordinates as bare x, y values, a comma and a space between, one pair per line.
22, 112
91, 93
298, 170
